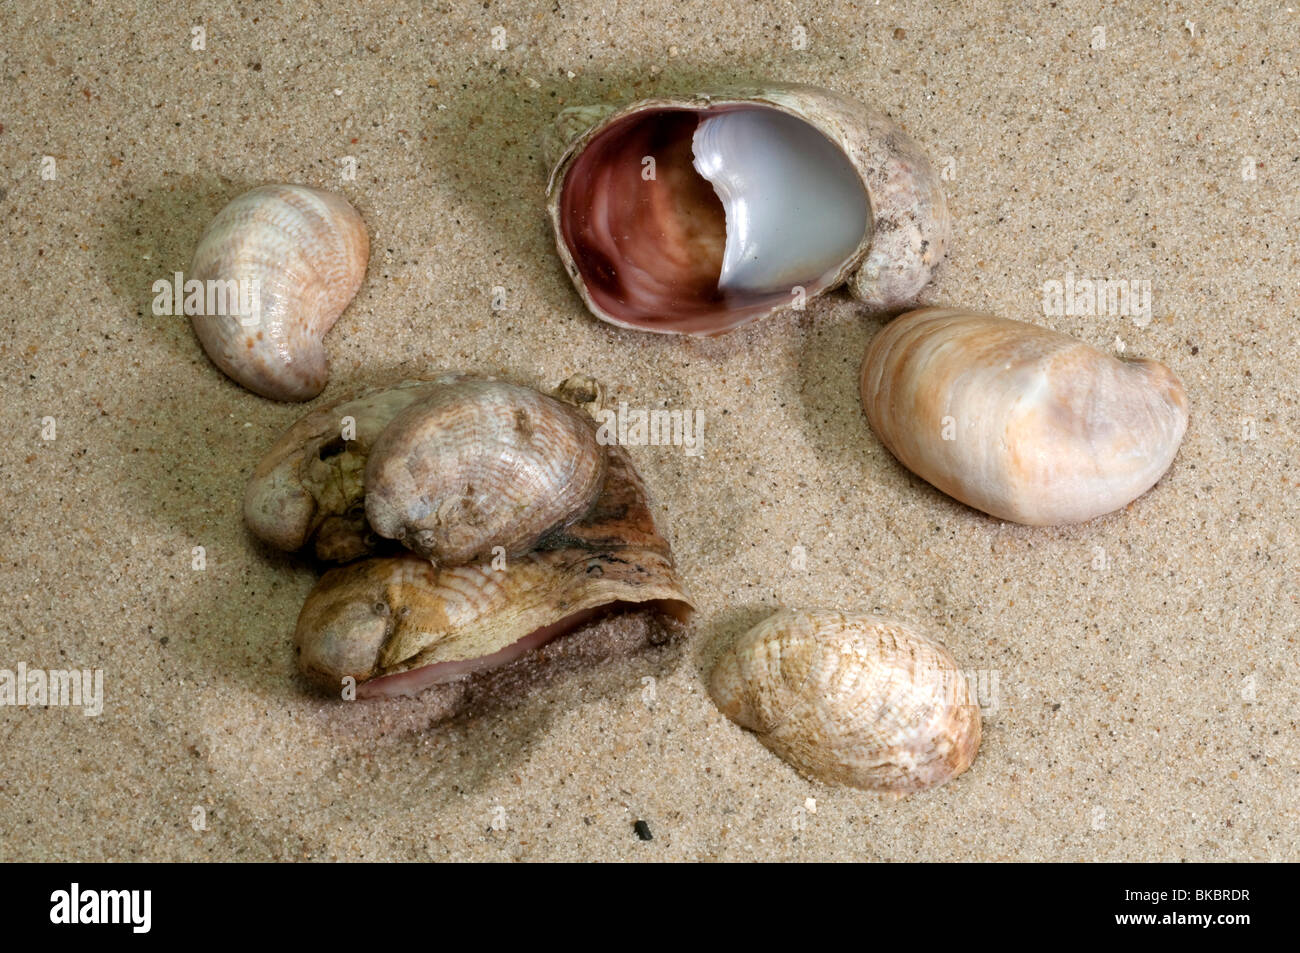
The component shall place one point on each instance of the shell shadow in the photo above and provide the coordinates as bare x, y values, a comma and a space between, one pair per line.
830, 355
182, 454
496, 729
154, 236
832, 406
395, 763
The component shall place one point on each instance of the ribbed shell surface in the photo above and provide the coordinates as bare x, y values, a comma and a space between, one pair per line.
388, 615
851, 699
481, 465
305, 251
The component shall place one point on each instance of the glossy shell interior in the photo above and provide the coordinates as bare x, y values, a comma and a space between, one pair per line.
649, 242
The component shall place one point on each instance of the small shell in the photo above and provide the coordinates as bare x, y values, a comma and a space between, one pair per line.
303, 252
851, 699
400, 624
482, 465
1020, 421
699, 214
309, 488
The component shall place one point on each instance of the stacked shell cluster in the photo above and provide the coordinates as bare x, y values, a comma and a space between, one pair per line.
475, 520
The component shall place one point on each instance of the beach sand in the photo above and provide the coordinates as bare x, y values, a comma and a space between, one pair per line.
1139, 671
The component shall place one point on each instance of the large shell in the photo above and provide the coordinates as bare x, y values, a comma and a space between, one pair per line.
304, 253
481, 465
1017, 420
309, 488
400, 624
851, 699
788, 167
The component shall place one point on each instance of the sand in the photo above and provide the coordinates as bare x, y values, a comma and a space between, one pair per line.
1142, 666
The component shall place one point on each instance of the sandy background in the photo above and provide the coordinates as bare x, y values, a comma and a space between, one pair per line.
1147, 711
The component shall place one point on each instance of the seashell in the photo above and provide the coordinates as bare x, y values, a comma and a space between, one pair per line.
482, 465
308, 491
304, 253
401, 624
699, 214
851, 699
1022, 422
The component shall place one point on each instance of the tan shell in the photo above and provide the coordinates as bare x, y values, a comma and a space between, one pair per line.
851, 699
482, 465
910, 228
1017, 420
305, 252
309, 488
423, 625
